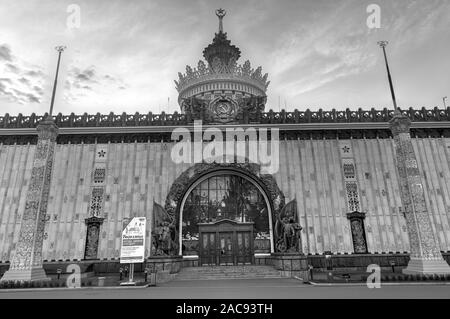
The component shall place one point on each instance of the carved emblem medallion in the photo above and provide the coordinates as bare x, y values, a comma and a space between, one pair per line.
223, 109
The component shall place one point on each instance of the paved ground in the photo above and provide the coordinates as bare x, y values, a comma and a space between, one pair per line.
240, 289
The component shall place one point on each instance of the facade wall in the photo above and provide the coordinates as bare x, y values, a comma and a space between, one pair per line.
310, 171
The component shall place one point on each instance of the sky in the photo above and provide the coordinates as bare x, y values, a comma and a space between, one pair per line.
124, 55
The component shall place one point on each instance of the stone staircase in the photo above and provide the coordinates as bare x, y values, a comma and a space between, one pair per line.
228, 272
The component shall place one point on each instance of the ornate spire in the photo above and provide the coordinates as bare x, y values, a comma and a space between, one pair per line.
220, 13
220, 51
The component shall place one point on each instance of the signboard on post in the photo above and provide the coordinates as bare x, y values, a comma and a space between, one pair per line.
132, 249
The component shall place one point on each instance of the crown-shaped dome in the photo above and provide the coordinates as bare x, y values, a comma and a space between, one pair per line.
221, 86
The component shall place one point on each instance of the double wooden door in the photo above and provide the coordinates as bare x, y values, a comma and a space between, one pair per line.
225, 245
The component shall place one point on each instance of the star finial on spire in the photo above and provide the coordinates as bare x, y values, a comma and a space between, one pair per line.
220, 13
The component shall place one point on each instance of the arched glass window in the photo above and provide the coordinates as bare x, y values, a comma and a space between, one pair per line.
225, 197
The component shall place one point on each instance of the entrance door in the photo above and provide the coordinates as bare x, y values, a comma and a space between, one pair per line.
226, 242
244, 251
226, 249
208, 255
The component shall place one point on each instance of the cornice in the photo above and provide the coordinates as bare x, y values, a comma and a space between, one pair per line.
190, 127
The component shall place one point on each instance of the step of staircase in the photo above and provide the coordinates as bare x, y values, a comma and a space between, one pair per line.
227, 272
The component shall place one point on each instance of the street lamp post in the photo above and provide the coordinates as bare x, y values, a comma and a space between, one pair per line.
425, 254
60, 49
383, 45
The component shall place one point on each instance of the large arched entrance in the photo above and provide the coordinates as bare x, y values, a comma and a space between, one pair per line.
209, 198
225, 216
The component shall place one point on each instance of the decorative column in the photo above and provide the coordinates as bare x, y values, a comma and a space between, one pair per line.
26, 262
96, 209
425, 255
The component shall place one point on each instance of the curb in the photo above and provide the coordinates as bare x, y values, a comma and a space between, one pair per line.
80, 288
382, 284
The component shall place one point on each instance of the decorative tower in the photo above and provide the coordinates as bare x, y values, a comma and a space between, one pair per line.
26, 262
425, 256
221, 90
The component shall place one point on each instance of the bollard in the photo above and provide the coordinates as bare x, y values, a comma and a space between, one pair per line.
58, 272
101, 281
329, 276
152, 277
328, 260
392, 263
310, 267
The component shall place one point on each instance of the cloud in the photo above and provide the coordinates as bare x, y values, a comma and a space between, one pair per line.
24, 81
5, 80
79, 80
19, 83
337, 45
35, 73
5, 53
12, 68
26, 96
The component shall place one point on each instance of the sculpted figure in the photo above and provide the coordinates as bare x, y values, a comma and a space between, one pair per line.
163, 232
287, 229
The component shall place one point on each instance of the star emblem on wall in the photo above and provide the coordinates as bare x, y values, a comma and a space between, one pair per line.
346, 149
102, 153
